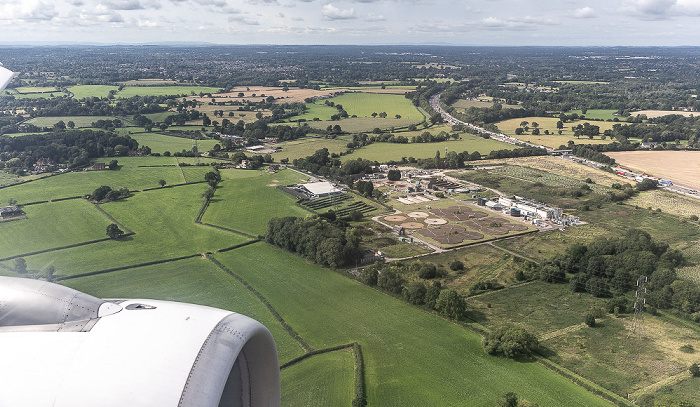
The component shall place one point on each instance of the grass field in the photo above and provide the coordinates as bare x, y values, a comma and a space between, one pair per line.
384, 152
681, 167
597, 114
163, 221
550, 123
411, 357
364, 104
668, 202
247, 204
365, 124
465, 104
80, 121
176, 90
196, 281
130, 175
160, 143
50, 225
307, 146
87, 91
322, 380
32, 95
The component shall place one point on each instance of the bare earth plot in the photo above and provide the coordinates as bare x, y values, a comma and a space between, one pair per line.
659, 113
681, 167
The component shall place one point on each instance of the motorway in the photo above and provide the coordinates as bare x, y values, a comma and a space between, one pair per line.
451, 120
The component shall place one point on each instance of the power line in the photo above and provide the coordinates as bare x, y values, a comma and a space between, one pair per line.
637, 326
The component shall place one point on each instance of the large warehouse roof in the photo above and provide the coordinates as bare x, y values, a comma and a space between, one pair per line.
321, 188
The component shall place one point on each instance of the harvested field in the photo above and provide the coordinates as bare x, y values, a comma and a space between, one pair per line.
681, 167
659, 113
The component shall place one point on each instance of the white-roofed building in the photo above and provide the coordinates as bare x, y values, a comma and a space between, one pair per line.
320, 189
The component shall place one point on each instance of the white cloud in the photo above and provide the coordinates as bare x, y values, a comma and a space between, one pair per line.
131, 4
375, 17
243, 20
25, 10
493, 23
584, 12
147, 23
330, 12
649, 9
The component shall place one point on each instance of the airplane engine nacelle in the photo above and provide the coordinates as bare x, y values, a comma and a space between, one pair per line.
61, 347
5, 77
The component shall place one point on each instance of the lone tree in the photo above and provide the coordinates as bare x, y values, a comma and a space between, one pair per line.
20, 265
161, 183
694, 370
114, 165
511, 342
114, 232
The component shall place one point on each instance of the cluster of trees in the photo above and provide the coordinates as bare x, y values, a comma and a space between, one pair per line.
510, 342
608, 267
388, 277
105, 193
71, 147
330, 244
321, 163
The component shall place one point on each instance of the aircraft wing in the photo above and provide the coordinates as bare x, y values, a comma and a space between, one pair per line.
5, 77
60, 347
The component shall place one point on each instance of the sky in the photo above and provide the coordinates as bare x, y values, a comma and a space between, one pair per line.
466, 22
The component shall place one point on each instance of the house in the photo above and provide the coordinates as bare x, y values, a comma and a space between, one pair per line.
7, 212
98, 167
649, 144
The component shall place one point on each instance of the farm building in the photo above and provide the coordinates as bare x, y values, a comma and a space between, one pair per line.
319, 189
7, 212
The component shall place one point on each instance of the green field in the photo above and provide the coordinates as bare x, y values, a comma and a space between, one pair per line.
412, 358
160, 143
596, 114
322, 380
365, 124
130, 175
80, 121
88, 91
50, 225
307, 146
247, 199
163, 222
384, 152
316, 109
550, 123
176, 90
39, 95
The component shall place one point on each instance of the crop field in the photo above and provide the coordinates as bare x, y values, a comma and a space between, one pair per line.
51, 225
403, 367
343, 204
681, 167
384, 152
554, 139
322, 380
131, 176
668, 202
194, 280
247, 204
176, 90
87, 91
561, 167
80, 121
160, 143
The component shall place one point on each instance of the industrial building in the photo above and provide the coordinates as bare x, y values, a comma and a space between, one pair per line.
531, 208
318, 189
